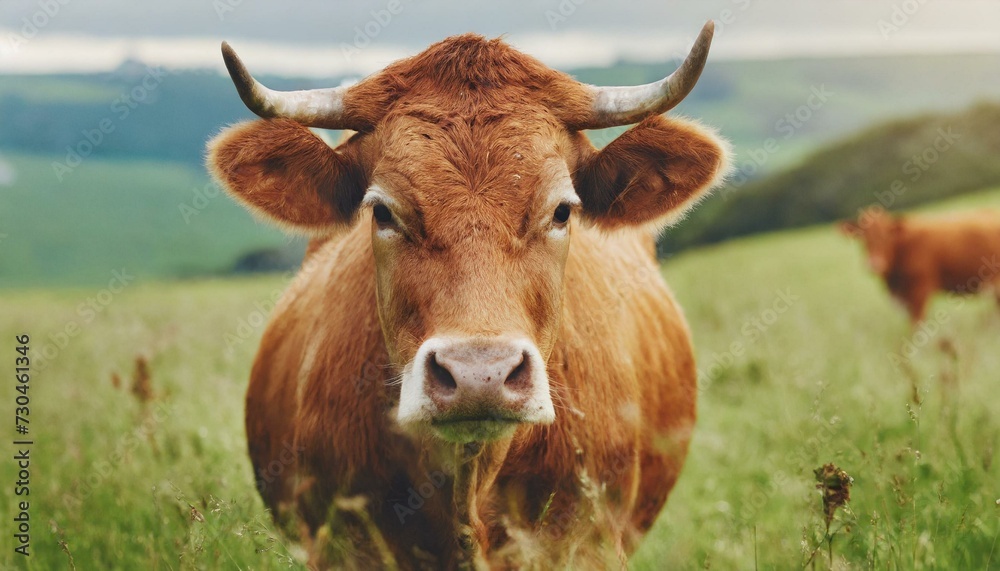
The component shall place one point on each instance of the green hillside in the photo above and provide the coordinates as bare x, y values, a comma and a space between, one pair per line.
152, 114
167, 484
120, 207
748, 101
154, 217
116, 214
898, 164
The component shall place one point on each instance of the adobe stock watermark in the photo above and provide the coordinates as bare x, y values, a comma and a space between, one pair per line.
727, 16
785, 127
928, 329
289, 454
367, 32
900, 15
200, 200
556, 524
31, 25
418, 494
619, 288
818, 438
258, 316
918, 164
373, 371
225, 7
101, 470
121, 108
562, 13
88, 310
251, 322
752, 330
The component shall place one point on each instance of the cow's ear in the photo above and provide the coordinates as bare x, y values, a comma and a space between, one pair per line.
284, 173
651, 174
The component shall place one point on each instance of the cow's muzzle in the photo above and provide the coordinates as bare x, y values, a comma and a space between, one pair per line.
474, 390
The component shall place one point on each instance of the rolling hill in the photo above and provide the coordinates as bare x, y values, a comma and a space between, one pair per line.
168, 114
139, 136
898, 164
155, 219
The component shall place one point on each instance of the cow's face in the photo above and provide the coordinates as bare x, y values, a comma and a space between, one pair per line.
470, 226
471, 204
878, 230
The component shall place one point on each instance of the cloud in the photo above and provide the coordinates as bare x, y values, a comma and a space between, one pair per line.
332, 39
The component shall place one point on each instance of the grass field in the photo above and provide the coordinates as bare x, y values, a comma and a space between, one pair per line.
793, 336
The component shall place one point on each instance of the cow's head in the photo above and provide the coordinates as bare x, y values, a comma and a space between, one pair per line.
470, 165
878, 230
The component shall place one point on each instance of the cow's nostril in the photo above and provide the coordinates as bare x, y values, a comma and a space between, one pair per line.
520, 376
439, 374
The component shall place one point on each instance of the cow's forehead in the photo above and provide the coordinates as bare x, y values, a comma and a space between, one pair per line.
495, 167
474, 148
475, 117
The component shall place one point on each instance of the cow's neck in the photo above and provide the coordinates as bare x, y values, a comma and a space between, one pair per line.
476, 468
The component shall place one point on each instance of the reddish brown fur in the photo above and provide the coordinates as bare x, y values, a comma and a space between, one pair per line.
920, 255
294, 178
459, 73
471, 151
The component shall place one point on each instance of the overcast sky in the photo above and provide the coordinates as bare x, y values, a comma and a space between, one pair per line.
318, 38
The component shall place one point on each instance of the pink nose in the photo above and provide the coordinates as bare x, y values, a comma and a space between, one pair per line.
478, 378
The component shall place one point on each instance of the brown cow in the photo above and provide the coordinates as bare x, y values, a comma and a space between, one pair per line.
447, 383
919, 255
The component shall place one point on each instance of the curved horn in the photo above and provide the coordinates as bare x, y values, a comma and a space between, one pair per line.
322, 108
614, 106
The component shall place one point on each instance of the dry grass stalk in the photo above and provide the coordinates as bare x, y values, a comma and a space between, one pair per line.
142, 388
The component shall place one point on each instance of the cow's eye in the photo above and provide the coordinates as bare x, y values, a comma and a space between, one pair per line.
382, 215
561, 215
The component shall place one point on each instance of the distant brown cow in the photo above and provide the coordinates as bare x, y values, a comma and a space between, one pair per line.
449, 383
917, 256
